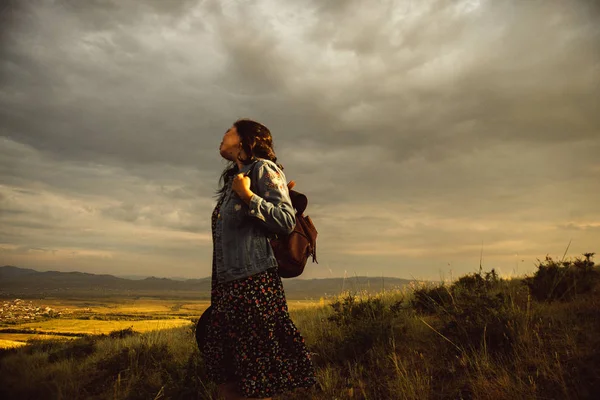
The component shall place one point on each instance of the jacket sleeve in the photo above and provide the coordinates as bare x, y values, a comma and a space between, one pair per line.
271, 202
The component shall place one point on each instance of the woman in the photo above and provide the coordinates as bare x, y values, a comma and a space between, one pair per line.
252, 349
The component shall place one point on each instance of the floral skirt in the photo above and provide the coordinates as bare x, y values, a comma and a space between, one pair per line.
252, 341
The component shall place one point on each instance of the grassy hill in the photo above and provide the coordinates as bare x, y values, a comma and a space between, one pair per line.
480, 337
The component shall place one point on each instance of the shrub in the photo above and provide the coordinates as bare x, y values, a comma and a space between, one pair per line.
481, 320
477, 283
563, 280
365, 323
430, 299
77, 349
473, 311
123, 333
348, 311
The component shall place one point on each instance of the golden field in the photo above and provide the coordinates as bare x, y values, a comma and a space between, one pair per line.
79, 317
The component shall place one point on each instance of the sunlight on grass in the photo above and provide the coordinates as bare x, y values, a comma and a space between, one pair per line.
9, 344
24, 337
96, 327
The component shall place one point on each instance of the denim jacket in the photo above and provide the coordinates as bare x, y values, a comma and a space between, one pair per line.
245, 228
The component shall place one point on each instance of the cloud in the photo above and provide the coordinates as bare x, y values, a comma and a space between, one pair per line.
418, 129
81, 211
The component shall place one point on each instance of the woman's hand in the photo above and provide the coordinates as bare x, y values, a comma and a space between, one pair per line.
241, 186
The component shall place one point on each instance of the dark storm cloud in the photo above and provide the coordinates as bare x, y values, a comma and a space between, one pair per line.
429, 125
99, 90
123, 105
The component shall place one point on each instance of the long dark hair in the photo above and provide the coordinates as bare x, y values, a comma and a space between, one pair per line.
257, 142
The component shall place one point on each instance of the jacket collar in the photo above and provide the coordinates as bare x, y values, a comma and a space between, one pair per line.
247, 167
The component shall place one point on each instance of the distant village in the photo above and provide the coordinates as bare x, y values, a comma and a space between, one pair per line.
20, 311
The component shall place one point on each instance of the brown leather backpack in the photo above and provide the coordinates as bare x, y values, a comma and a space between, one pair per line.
292, 251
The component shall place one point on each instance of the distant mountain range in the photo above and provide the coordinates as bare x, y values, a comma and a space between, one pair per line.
29, 283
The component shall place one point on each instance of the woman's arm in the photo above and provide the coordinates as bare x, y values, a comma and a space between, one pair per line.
271, 203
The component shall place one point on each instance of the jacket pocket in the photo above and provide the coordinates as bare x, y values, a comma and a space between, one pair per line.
234, 212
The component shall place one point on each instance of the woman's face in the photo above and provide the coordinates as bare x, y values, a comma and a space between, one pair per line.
230, 145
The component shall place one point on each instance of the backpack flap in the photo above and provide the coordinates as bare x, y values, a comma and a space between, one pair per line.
299, 201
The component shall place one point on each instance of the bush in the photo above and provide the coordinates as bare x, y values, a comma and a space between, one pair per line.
481, 320
563, 280
349, 311
77, 349
473, 311
123, 333
365, 323
477, 283
430, 300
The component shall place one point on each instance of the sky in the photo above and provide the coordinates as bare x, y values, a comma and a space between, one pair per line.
429, 136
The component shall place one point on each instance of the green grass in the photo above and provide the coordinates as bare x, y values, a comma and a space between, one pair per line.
487, 339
